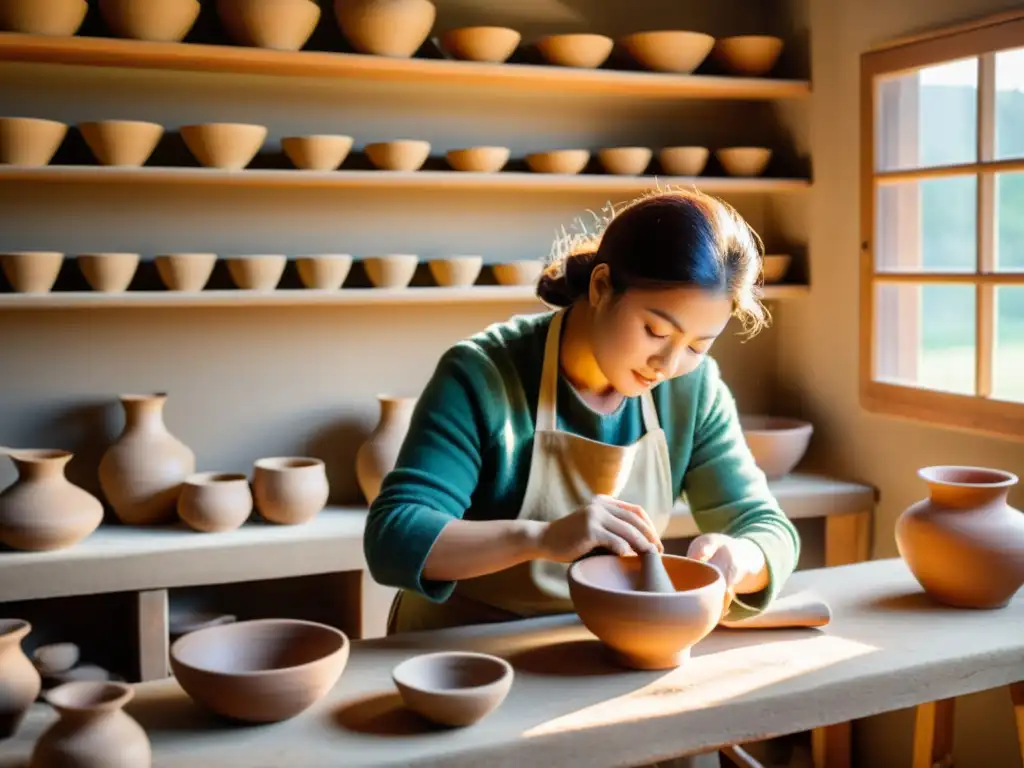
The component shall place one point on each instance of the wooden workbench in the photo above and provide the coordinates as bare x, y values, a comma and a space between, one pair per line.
888, 647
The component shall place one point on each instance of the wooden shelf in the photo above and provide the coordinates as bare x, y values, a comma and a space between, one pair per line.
225, 59
433, 180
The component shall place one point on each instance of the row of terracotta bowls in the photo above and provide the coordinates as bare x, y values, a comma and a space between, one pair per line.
36, 271
396, 29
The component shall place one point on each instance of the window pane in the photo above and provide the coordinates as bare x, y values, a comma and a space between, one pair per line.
928, 117
1010, 103
926, 336
1008, 369
1010, 224
928, 225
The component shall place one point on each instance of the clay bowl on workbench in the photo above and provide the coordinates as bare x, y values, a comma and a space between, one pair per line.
647, 630
454, 688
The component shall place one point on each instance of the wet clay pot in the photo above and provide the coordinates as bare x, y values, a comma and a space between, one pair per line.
142, 472
93, 730
43, 509
378, 455
19, 681
964, 543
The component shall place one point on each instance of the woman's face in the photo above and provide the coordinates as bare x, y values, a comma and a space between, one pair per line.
641, 337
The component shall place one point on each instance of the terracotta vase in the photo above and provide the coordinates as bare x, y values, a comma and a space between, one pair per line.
19, 681
142, 472
43, 509
377, 456
93, 729
964, 543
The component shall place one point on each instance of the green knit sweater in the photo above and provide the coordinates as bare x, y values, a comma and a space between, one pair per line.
468, 450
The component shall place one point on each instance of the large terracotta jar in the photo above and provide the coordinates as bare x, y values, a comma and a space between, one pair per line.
964, 543
93, 729
43, 509
19, 680
377, 456
142, 472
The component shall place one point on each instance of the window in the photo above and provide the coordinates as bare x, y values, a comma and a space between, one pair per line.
942, 216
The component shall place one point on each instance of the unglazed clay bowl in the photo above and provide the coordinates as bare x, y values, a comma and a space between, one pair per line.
491, 44
456, 270
568, 161
395, 270
289, 490
625, 161
30, 141
744, 161
165, 21
396, 28
478, 159
647, 630
228, 146
317, 153
683, 161
257, 273
455, 688
399, 155
749, 55
55, 658
215, 501
282, 25
58, 18
108, 272
583, 50
185, 271
325, 271
774, 268
31, 271
679, 52
525, 272
261, 671
777, 443
125, 143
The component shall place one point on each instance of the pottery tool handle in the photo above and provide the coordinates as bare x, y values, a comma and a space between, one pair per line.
653, 576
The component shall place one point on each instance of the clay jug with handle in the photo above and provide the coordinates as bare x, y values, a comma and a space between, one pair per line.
19, 680
377, 456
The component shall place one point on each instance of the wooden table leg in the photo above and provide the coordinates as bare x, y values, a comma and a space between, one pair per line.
1017, 696
933, 734
831, 746
153, 634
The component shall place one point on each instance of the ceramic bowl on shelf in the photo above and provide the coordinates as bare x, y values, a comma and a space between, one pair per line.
567, 161
396, 28
289, 490
748, 55
683, 161
165, 21
54, 658
30, 142
778, 443
456, 270
647, 630
580, 49
260, 671
394, 270
125, 143
282, 25
317, 153
453, 688
775, 267
228, 146
625, 161
676, 51
187, 272
524, 272
478, 159
211, 502
55, 18
108, 272
398, 155
324, 271
260, 272
31, 271
489, 44
744, 161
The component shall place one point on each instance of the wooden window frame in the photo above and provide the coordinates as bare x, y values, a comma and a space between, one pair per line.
979, 412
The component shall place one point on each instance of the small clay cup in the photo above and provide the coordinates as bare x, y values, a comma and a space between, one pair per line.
121, 143
455, 688
625, 161
777, 443
455, 271
108, 272
525, 272
395, 270
187, 272
290, 490
30, 142
215, 501
583, 50
164, 21
321, 152
683, 161
56, 18
55, 658
325, 271
31, 271
257, 273
775, 267
478, 159
491, 44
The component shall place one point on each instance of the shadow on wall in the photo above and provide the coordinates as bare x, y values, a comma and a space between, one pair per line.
337, 443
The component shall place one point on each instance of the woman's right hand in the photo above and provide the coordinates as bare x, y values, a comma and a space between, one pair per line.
617, 526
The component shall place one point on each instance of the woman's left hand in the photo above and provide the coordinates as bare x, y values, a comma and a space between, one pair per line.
741, 561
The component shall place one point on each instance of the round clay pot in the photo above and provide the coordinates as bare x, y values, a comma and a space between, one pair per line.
525, 272
93, 729
324, 272
317, 153
478, 159
491, 44
19, 681
31, 271
108, 272
142, 472
163, 21
257, 273
228, 146
290, 490
283, 25
125, 143
744, 161
55, 658
964, 543
748, 55
774, 268
777, 443
454, 688
683, 161
647, 630
587, 51
378, 454
392, 271
400, 155
260, 671
189, 272
57, 18
43, 509
395, 28
215, 501
456, 270
567, 161
625, 161
673, 51
30, 142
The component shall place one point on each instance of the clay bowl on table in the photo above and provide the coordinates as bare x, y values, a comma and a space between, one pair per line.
744, 161
324, 271
260, 671
57, 18
396, 28
456, 270
676, 51
318, 152
165, 21
395, 270
215, 501
185, 271
525, 272
683, 161
282, 25
774, 268
30, 142
625, 161
647, 630
108, 272
399, 155
584, 50
289, 490
777, 443
568, 161
257, 273
228, 146
456, 688
749, 55
478, 159
490, 44
124, 143
31, 271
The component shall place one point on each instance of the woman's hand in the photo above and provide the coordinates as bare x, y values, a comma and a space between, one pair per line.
741, 561
622, 528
